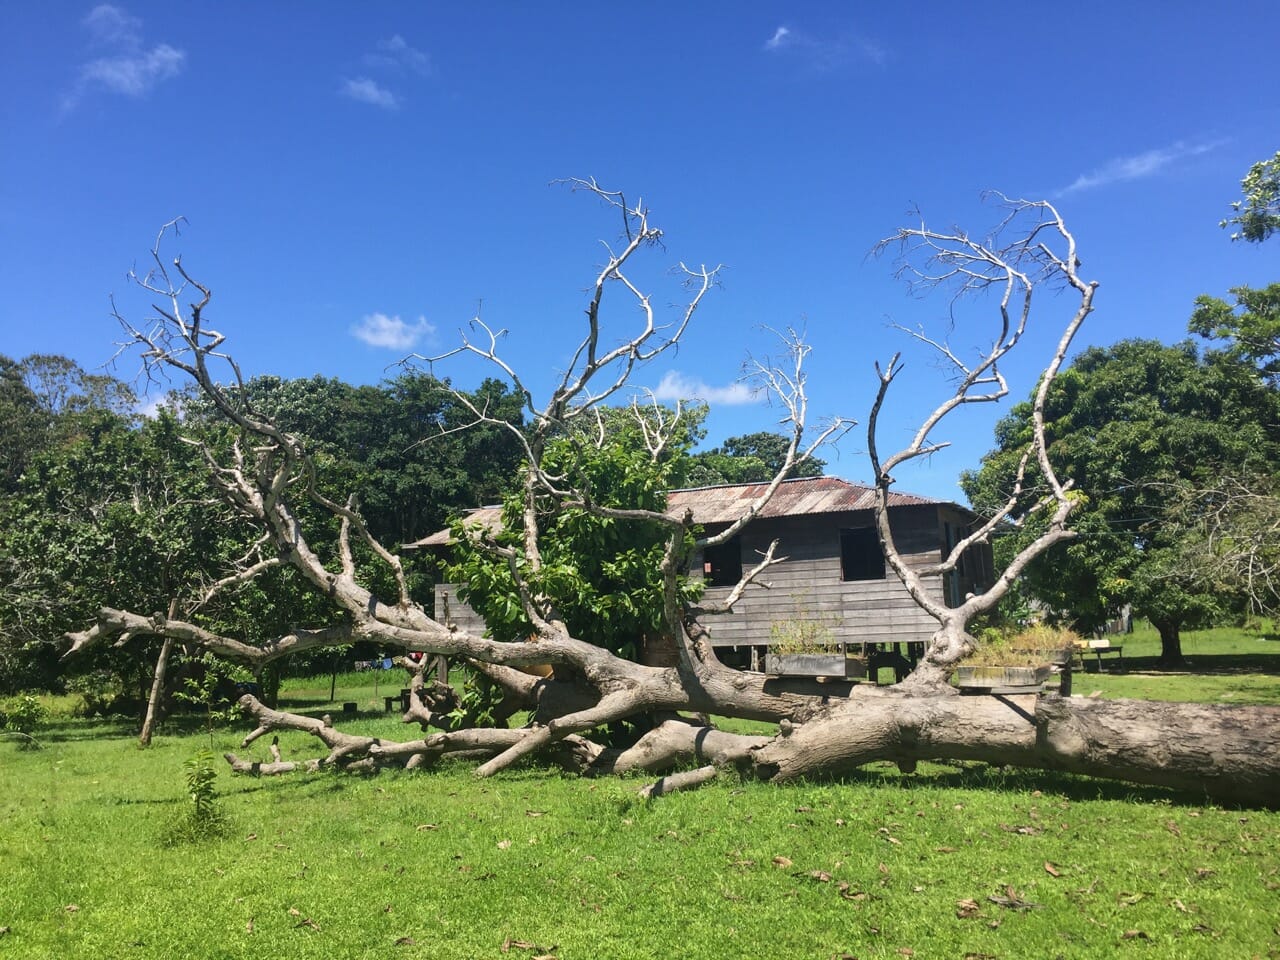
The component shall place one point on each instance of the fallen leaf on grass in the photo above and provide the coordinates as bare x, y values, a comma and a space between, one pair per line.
906, 952
944, 849
967, 908
1051, 869
535, 813
504, 844
252, 836
3, 931
1134, 935
980, 956
1173, 828
1012, 900
781, 861
72, 907
406, 942
1204, 873
820, 875
848, 893
428, 826
543, 953
1179, 905
248, 927
308, 923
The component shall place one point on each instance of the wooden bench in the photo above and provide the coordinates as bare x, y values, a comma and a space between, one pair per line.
1099, 649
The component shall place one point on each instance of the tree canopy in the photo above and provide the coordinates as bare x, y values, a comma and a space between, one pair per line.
1257, 216
751, 458
1140, 427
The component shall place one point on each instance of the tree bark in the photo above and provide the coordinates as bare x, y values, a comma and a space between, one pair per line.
1227, 754
157, 684
157, 689
1170, 643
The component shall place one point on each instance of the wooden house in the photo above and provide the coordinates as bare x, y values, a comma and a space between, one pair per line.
833, 577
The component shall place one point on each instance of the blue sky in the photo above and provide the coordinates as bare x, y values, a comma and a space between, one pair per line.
359, 179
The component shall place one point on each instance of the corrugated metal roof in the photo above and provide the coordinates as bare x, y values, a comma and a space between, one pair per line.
490, 518
805, 496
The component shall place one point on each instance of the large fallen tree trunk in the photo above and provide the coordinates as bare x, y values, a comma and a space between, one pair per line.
1225, 754
1229, 754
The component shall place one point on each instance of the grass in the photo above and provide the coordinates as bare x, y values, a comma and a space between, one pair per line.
1225, 665
442, 865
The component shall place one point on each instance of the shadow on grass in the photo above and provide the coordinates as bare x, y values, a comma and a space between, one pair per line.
1025, 781
1209, 665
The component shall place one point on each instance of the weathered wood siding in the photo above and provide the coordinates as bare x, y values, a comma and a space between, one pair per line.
451, 610
808, 585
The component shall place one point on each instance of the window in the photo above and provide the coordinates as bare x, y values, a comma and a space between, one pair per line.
722, 565
860, 555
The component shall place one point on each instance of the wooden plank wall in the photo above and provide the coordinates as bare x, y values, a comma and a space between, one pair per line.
808, 585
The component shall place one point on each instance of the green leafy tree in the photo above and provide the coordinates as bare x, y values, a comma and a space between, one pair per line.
1257, 216
1134, 425
118, 510
752, 458
1249, 326
600, 574
23, 425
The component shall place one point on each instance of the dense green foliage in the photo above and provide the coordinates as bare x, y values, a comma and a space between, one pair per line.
1249, 327
1137, 426
600, 574
753, 458
103, 507
1257, 216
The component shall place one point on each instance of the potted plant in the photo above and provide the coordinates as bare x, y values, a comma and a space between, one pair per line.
807, 647
1018, 663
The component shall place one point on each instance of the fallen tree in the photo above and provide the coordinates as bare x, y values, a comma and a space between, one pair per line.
1228, 754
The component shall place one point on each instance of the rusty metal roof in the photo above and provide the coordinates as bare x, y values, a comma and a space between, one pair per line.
804, 496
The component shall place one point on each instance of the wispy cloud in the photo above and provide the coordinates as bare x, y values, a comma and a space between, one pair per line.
364, 90
399, 55
111, 25
825, 53
676, 386
1139, 165
391, 333
394, 58
779, 38
130, 69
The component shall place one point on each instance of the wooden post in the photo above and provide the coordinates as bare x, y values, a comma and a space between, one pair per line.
157, 685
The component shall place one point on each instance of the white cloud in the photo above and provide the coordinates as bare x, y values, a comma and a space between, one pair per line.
364, 90
391, 333
398, 54
1139, 165
130, 69
676, 386
825, 53
134, 75
111, 25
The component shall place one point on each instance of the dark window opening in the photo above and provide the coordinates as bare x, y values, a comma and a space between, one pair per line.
860, 555
722, 564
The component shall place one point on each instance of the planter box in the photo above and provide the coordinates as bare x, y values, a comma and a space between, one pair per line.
814, 665
1002, 679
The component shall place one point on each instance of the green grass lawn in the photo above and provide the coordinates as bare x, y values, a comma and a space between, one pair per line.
442, 865
1225, 665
